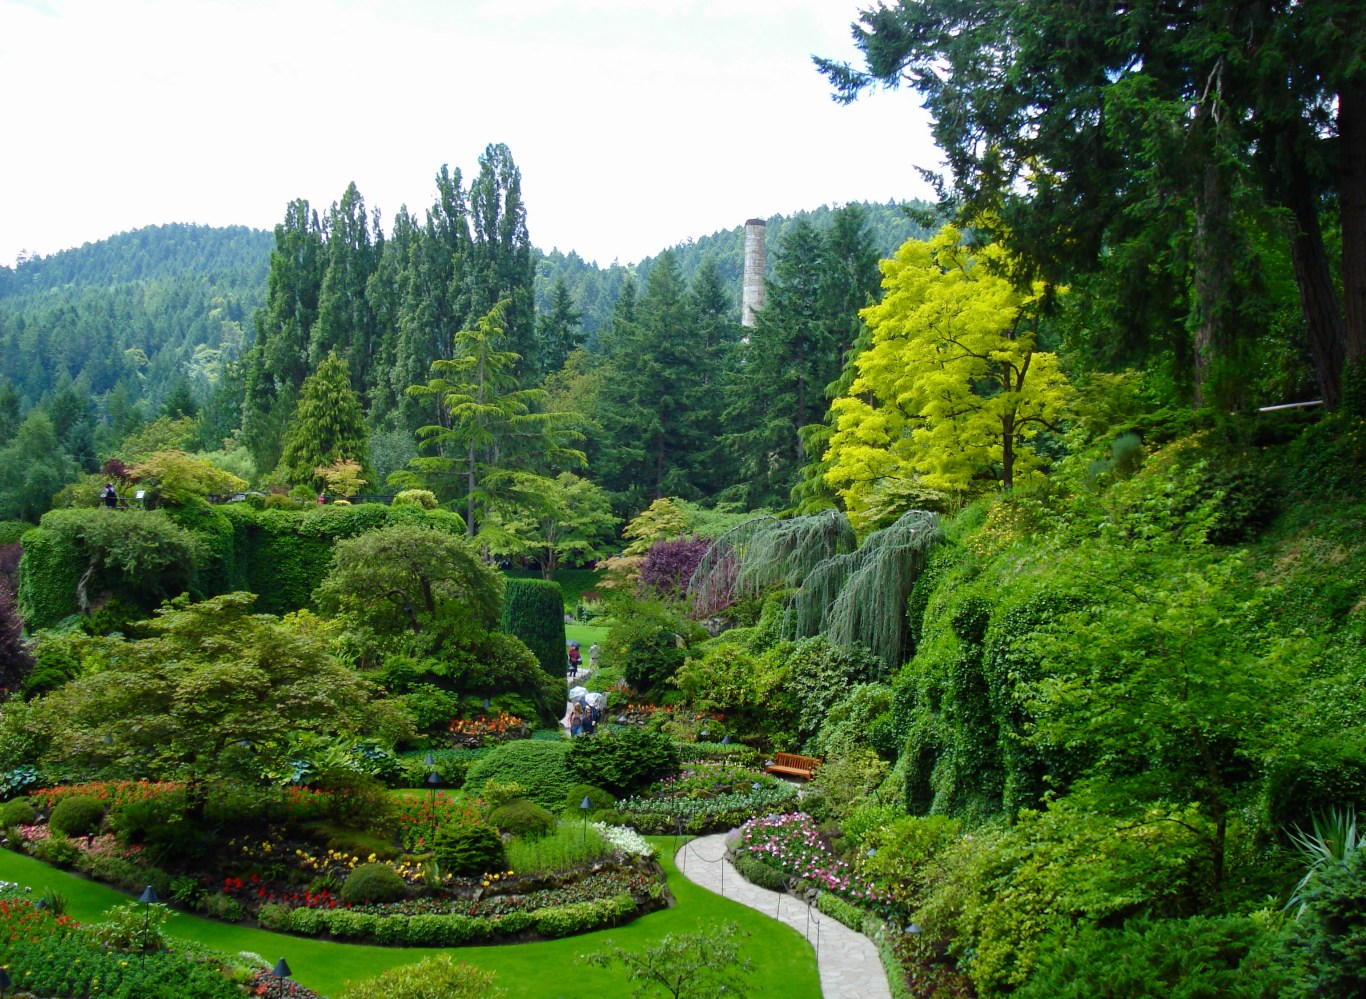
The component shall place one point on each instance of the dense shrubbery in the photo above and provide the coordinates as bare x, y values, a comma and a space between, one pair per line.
522, 818
622, 762
533, 610
468, 849
77, 816
539, 767
373, 883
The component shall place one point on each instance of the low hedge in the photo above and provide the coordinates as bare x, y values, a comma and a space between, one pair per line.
758, 873
453, 930
841, 911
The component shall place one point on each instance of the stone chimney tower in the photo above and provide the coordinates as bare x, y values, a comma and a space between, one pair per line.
752, 285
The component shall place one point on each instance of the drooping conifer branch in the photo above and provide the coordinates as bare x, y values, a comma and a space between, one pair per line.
850, 595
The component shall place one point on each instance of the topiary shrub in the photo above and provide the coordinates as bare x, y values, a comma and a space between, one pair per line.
17, 813
539, 767
533, 610
598, 799
424, 498
622, 762
468, 849
373, 883
523, 818
76, 816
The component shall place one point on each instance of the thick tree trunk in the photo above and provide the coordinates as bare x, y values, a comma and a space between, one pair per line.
1211, 305
1352, 198
1318, 298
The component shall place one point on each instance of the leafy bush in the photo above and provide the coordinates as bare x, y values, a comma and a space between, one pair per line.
1328, 947
424, 498
133, 927
649, 644
440, 977
533, 610
17, 813
77, 816
467, 849
598, 799
579, 917
669, 565
1162, 959
622, 762
373, 883
220, 906
522, 818
57, 851
538, 766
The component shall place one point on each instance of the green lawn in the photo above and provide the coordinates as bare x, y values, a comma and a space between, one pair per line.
784, 963
586, 634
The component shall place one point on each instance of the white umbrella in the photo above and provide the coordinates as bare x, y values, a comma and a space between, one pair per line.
576, 692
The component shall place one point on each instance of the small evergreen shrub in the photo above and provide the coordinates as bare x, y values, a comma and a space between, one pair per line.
598, 800
77, 816
468, 850
523, 818
622, 762
220, 906
17, 813
1328, 948
440, 977
373, 883
539, 767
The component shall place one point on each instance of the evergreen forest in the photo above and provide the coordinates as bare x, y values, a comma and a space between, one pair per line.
999, 592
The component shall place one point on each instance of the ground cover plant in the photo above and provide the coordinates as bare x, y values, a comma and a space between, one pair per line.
709, 795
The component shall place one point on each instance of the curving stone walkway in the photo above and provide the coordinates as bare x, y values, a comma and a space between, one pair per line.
849, 964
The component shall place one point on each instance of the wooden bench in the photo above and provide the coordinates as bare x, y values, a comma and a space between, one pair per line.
793, 764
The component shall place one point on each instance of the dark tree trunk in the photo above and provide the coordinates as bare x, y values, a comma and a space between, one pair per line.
1318, 298
1352, 198
1211, 305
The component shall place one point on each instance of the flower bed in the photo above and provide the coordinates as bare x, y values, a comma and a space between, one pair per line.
475, 733
792, 844
707, 796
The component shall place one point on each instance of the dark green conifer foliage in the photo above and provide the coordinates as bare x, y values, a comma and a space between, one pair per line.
328, 426
558, 330
533, 610
346, 322
501, 267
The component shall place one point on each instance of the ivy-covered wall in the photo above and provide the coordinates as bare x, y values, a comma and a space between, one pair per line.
48, 573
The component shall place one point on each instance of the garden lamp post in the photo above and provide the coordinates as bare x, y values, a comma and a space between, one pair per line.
281, 970
428, 761
147, 898
433, 779
584, 806
704, 734
725, 739
5, 982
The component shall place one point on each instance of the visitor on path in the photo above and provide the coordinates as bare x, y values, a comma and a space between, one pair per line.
109, 495
322, 498
574, 660
594, 651
576, 720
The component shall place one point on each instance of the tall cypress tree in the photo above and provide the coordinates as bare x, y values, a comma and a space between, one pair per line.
346, 323
501, 262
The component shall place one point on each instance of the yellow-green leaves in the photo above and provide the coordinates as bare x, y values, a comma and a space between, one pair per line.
951, 390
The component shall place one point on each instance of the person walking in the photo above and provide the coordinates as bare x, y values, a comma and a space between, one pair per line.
109, 495
594, 651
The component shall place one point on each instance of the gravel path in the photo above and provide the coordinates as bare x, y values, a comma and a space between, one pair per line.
849, 964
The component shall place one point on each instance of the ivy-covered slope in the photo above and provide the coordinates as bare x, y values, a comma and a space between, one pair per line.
1189, 627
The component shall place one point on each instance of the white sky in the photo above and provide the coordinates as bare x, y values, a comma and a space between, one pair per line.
636, 123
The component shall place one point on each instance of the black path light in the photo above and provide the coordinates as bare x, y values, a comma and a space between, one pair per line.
148, 898
5, 982
585, 806
725, 739
281, 970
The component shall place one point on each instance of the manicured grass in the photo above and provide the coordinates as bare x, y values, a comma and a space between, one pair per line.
784, 963
586, 634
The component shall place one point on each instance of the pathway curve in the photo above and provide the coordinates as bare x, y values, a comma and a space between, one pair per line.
850, 967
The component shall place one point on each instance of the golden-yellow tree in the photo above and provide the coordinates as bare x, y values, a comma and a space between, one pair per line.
951, 390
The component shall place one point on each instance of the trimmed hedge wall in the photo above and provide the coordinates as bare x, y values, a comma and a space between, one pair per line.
533, 610
454, 930
281, 555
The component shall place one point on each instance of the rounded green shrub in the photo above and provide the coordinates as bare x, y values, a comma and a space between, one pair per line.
539, 767
523, 818
468, 849
373, 883
17, 813
76, 816
622, 762
598, 799
424, 498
